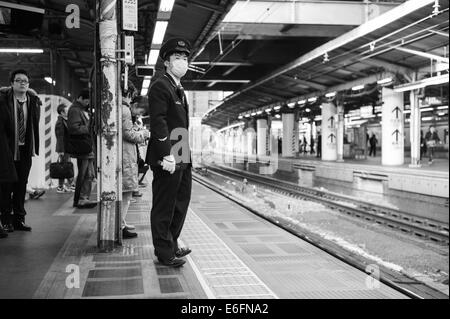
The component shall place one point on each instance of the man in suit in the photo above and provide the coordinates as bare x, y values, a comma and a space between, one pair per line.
168, 154
78, 126
22, 107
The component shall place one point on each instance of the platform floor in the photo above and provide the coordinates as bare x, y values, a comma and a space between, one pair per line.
235, 255
439, 165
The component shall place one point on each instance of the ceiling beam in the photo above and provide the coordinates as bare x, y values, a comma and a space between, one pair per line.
314, 85
206, 6
391, 16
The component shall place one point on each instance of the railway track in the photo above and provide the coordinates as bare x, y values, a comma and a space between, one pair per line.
401, 282
407, 223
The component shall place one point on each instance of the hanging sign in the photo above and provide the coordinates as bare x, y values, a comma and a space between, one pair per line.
130, 15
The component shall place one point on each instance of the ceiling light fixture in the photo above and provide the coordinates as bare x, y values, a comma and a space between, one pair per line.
17, 50
358, 87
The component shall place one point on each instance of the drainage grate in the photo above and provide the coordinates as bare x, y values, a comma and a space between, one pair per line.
113, 288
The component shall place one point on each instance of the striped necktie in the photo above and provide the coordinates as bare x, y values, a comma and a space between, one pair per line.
21, 122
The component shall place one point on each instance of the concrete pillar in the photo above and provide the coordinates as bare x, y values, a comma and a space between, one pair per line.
414, 128
288, 146
392, 127
295, 137
262, 133
329, 134
340, 133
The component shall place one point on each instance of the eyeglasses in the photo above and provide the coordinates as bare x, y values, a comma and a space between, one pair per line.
21, 81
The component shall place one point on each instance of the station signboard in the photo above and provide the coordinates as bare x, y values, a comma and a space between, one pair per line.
130, 15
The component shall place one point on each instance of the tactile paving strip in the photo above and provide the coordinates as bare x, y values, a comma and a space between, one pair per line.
222, 271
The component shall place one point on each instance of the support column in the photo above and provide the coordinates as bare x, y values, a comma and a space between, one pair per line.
392, 127
288, 146
110, 128
414, 128
295, 137
340, 133
329, 134
262, 133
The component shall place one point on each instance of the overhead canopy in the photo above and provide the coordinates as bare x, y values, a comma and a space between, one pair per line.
365, 54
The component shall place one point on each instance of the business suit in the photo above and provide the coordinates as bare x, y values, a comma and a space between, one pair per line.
169, 114
13, 194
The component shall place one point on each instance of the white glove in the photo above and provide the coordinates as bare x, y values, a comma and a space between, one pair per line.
168, 164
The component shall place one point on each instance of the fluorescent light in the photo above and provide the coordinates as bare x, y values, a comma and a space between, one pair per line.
259, 112
426, 109
435, 80
291, 105
240, 117
441, 113
247, 115
268, 110
48, 79
146, 82
442, 107
312, 99
429, 118
166, 5
277, 116
307, 110
253, 114
160, 31
384, 81
277, 107
302, 102
17, 50
144, 91
153, 57
331, 94
358, 87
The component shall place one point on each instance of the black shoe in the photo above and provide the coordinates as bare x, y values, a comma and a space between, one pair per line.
20, 225
181, 252
3, 233
86, 204
173, 262
8, 228
36, 194
128, 234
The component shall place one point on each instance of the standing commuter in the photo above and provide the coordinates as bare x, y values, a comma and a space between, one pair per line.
169, 148
7, 169
319, 144
21, 106
432, 139
130, 137
61, 135
423, 145
80, 145
373, 145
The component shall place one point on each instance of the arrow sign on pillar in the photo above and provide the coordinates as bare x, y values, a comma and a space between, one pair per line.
397, 133
332, 137
331, 120
397, 111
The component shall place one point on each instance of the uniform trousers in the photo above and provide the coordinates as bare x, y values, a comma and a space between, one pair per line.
171, 197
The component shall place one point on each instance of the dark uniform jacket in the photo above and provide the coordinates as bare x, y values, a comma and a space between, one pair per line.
168, 110
34, 113
7, 168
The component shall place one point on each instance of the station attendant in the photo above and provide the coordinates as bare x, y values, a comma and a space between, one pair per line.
168, 154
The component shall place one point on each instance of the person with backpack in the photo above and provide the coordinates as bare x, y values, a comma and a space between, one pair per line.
61, 135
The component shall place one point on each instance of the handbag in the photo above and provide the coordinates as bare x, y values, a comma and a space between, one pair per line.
78, 144
61, 169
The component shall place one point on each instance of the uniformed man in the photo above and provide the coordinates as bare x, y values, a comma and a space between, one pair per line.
169, 154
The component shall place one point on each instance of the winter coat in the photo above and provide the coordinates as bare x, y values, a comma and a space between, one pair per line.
7, 169
79, 124
60, 129
34, 114
130, 137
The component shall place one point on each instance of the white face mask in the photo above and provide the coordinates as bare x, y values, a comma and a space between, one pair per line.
179, 68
